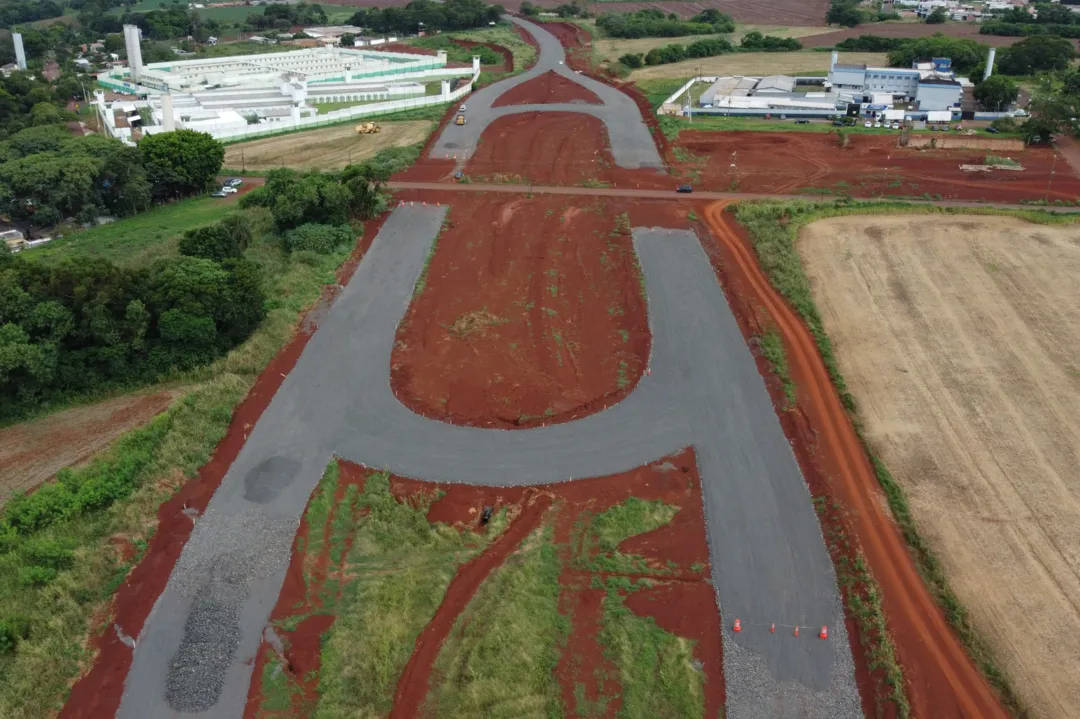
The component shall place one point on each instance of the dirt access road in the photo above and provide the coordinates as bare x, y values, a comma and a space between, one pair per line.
330, 148
942, 679
959, 338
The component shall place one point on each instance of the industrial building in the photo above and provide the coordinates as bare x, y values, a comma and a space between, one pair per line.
223, 95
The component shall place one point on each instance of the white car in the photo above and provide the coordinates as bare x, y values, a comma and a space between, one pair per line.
868, 124
877, 124
461, 109
895, 126
229, 190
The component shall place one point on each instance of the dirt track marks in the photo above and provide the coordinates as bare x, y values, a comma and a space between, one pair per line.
937, 666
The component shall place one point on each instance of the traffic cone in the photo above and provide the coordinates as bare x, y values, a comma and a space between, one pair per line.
824, 632
738, 627
772, 629
796, 630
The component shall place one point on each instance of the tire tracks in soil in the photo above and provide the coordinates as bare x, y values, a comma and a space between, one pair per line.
413, 683
935, 663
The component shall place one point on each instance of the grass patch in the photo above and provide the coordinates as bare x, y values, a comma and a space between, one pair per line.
773, 229
523, 53
772, 348
996, 160
136, 240
54, 618
403, 565
421, 283
499, 660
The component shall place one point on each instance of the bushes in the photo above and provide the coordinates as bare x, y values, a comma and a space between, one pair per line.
871, 43
653, 23
633, 60
322, 239
965, 54
449, 15
756, 42
677, 53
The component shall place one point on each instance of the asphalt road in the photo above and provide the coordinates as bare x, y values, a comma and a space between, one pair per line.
632, 146
195, 654
769, 561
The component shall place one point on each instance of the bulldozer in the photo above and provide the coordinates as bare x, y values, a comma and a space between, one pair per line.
367, 128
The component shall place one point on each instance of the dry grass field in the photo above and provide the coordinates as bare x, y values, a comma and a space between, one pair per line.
609, 49
328, 148
960, 340
754, 64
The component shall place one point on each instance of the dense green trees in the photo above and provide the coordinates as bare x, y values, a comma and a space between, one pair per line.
429, 16
996, 92
653, 23
965, 54
181, 162
282, 17
845, 13
1035, 54
937, 16
81, 326
15, 12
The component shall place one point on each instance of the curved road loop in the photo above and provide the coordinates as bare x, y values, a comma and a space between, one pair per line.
632, 146
195, 654
953, 672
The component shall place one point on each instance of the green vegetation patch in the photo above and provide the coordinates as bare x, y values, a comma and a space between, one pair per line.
57, 575
402, 565
772, 348
500, 657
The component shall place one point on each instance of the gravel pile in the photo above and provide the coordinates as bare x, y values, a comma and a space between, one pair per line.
225, 556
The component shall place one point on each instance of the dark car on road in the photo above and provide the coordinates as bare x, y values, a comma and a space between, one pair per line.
802, 122
684, 188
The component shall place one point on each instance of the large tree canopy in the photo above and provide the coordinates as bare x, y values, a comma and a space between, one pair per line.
181, 162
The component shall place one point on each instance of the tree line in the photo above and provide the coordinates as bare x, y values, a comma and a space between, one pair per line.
709, 47
1026, 57
428, 16
850, 13
654, 23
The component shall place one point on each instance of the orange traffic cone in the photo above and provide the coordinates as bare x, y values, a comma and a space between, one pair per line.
738, 626
824, 632
796, 630
772, 629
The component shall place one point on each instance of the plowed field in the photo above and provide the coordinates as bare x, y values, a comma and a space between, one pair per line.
870, 166
328, 148
564, 569
959, 339
32, 452
531, 312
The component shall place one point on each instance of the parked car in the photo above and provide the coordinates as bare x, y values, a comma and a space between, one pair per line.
895, 126
229, 190
459, 175
877, 123
684, 188
234, 182
802, 122
868, 124
219, 193
992, 130
837, 123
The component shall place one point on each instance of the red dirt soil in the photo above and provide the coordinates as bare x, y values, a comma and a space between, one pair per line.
549, 88
942, 680
97, 693
871, 166
532, 312
689, 604
33, 452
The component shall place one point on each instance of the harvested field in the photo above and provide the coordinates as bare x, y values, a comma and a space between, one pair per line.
35, 451
958, 338
754, 63
547, 89
328, 148
870, 166
907, 29
610, 49
418, 626
530, 313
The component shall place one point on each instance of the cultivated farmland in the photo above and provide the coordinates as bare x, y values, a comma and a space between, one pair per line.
958, 338
330, 148
755, 64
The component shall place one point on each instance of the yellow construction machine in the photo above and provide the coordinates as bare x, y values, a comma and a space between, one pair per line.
367, 128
